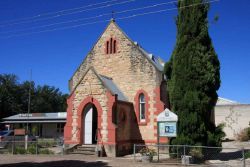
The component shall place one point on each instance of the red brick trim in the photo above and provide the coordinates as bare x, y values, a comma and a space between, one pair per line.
159, 106
68, 125
80, 114
137, 107
111, 127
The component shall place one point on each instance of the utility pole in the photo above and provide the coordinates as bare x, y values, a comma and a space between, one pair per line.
28, 113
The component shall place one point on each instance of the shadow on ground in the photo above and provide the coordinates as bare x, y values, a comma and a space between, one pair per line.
226, 156
63, 163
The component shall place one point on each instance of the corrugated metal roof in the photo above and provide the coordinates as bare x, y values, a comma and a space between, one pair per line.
35, 121
151, 57
38, 116
108, 82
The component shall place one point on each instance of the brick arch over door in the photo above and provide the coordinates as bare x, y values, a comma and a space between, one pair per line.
137, 106
80, 115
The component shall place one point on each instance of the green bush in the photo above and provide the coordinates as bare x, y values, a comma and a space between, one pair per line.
244, 135
31, 149
20, 150
248, 132
247, 154
215, 138
45, 151
181, 140
197, 154
46, 143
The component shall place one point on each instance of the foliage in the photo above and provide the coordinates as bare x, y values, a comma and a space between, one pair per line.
20, 150
34, 130
14, 97
46, 143
31, 149
243, 135
196, 154
248, 132
193, 74
45, 151
215, 138
147, 151
247, 154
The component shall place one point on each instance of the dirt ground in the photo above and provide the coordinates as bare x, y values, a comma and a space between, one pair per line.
69, 161
8, 160
79, 161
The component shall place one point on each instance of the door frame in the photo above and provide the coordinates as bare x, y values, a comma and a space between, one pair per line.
80, 113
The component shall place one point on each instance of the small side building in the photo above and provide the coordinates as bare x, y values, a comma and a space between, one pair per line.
234, 115
44, 125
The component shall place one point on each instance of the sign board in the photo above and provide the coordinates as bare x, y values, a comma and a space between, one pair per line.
19, 132
167, 122
167, 129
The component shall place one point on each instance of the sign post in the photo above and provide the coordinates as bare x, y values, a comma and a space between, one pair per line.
166, 125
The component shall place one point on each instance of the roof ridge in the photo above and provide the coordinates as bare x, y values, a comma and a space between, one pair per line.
105, 76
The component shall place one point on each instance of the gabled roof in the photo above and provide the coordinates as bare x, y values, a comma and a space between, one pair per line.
110, 85
157, 62
107, 82
224, 101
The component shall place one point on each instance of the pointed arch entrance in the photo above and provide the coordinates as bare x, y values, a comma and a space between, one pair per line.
88, 104
90, 124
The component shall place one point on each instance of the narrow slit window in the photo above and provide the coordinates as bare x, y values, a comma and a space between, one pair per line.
107, 47
111, 43
114, 51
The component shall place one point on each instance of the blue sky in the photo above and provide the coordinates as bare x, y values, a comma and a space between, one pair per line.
54, 56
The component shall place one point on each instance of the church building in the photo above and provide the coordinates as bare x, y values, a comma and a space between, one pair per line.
116, 94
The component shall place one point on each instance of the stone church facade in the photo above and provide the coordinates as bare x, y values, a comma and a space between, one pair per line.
115, 95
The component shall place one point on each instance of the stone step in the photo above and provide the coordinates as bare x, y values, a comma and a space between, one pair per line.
87, 146
85, 149
83, 152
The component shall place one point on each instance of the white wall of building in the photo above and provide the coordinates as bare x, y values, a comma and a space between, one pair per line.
235, 116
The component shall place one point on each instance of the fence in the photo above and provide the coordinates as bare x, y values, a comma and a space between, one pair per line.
190, 155
38, 146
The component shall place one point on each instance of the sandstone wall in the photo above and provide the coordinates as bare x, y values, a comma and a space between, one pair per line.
129, 69
82, 91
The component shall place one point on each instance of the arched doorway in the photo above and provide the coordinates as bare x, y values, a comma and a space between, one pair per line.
90, 124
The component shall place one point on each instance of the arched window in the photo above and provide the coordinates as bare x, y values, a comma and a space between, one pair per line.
111, 44
114, 51
107, 47
142, 108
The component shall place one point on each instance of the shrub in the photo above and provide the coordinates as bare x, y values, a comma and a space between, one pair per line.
247, 154
20, 150
248, 132
243, 135
197, 155
46, 151
31, 149
46, 143
215, 138
147, 151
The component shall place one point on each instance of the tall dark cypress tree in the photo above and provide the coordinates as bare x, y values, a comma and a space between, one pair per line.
193, 76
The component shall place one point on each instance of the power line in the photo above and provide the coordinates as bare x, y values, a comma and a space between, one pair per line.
65, 14
93, 17
120, 18
60, 11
